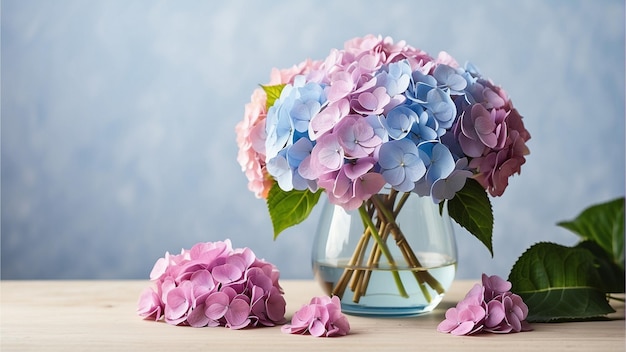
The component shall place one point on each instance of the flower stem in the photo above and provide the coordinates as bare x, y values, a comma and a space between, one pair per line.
409, 255
341, 285
383, 248
357, 274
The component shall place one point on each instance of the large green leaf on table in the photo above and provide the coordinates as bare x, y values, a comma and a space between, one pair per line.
603, 224
471, 209
559, 283
289, 208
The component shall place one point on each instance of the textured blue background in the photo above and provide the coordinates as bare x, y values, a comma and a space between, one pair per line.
118, 120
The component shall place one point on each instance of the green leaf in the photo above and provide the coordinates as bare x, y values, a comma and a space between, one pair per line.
289, 208
603, 224
559, 283
471, 209
273, 93
611, 275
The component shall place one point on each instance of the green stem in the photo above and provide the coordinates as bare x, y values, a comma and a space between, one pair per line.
383, 248
421, 276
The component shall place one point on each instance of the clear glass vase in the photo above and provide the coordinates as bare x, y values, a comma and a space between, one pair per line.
394, 256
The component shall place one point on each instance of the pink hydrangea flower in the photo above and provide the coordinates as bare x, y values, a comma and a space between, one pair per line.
322, 317
213, 284
489, 307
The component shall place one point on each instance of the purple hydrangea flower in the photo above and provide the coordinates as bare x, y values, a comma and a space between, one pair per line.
357, 137
489, 307
213, 284
322, 317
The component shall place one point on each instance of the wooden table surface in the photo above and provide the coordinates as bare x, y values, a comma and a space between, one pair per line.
101, 316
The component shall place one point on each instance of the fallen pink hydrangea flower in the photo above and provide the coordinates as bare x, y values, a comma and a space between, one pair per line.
489, 307
320, 318
213, 284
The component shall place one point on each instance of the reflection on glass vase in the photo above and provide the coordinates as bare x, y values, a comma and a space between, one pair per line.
394, 256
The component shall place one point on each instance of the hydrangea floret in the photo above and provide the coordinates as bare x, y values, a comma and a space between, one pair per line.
322, 317
490, 307
214, 284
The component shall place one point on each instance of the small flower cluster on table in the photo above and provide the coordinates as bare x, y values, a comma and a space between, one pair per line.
213, 284
490, 307
321, 317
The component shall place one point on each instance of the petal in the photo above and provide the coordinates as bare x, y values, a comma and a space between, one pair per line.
303, 316
275, 308
463, 329
368, 184
197, 318
216, 305
176, 304
237, 314
447, 325
496, 284
159, 269
149, 305
495, 314
515, 323
359, 168
227, 273
317, 328
291, 329
394, 176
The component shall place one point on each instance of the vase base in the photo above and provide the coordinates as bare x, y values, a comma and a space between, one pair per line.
397, 312
381, 297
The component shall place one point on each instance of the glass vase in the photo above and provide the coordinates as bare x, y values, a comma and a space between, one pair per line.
394, 256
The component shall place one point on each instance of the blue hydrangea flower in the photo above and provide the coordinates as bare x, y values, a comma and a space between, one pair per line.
446, 188
419, 87
395, 77
279, 168
399, 121
439, 163
439, 103
284, 166
401, 165
278, 127
295, 154
309, 101
424, 90
450, 79
291, 113
379, 129
425, 127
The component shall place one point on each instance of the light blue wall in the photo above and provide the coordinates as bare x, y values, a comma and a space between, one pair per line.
118, 120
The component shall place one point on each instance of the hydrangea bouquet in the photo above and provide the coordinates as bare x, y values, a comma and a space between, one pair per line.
381, 115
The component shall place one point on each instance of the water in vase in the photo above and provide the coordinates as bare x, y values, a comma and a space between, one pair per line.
381, 296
